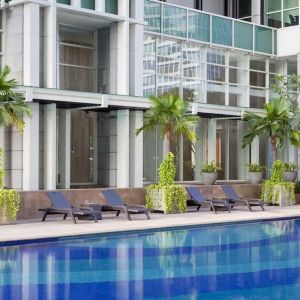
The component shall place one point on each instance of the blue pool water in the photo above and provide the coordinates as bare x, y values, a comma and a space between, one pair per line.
240, 261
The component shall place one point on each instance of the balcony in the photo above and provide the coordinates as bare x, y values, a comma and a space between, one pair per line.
193, 25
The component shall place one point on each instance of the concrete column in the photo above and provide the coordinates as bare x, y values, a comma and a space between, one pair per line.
243, 78
50, 146
227, 78
204, 76
31, 40
65, 148
123, 58
136, 150
136, 59
100, 5
255, 151
123, 8
31, 150
267, 83
50, 46
123, 148
212, 139
255, 11
242, 153
199, 149
76, 3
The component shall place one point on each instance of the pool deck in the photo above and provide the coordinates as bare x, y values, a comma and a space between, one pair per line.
57, 228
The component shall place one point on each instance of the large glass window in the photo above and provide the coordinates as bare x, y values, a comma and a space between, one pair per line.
111, 6
282, 13
76, 65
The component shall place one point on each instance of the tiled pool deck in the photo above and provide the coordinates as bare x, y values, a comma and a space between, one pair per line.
58, 228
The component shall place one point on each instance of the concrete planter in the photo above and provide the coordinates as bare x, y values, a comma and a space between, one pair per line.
255, 177
290, 176
280, 196
158, 199
209, 178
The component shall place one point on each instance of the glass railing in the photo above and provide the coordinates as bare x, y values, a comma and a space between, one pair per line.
208, 28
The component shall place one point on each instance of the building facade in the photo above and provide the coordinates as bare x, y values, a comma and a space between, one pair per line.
86, 68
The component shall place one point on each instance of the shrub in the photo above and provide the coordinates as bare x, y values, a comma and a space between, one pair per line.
290, 167
255, 168
211, 167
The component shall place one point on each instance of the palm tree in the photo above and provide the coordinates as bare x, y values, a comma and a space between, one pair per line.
276, 122
168, 111
12, 105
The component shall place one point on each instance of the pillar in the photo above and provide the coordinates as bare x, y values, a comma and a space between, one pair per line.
50, 45
212, 139
31, 150
255, 151
100, 5
123, 148
136, 150
255, 11
31, 40
65, 148
50, 146
76, 3
199, 149
242, 153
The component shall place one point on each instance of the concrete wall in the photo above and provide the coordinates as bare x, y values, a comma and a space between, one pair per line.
214, 6
32, 201
13, 50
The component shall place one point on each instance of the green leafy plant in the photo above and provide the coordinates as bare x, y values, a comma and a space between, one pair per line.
276, 123
9, 205
174, 196
274, 188
255, 168
169, 113
211, 167
290, 167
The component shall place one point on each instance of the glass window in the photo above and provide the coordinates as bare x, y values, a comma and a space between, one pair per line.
236, 95
243, 35
111, 6
215, 73
89, 4
263, 39
257, 79
186, 3
290, 3
221, 31
273, 5
174, 21
274, 20
216, 94
257, 98
199, 26
244, 8
291, 17
292, 68
76, 36
152, 16
67, 2
215, 56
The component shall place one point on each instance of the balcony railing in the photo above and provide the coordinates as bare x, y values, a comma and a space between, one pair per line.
193, 25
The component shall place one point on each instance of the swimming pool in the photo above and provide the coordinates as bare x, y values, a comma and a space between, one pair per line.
237, 261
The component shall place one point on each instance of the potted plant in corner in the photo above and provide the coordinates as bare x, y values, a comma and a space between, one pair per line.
12, 110
255, 173
290, 172
209, 172
169, 113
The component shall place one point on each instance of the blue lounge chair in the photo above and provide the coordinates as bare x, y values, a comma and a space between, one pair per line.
200, 200
61, 206
233, 198
115, 203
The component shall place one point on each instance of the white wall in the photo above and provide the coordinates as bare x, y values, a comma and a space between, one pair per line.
214, 6
288, 41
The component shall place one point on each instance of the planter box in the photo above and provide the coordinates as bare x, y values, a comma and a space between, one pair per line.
290, 176
280, 197
255, 177
158, 202
209, 178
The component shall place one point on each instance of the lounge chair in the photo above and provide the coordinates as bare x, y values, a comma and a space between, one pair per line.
61, 206
199, 199
115, 203
233, 198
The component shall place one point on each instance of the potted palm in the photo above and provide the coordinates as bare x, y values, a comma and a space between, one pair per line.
290, 172
255, 173
12, 110
169, 113
209, 172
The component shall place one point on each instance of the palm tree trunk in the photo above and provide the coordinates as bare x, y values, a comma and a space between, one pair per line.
168, 138
273, 143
